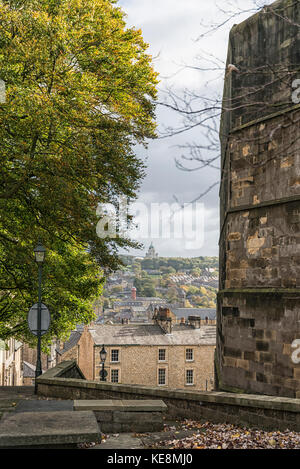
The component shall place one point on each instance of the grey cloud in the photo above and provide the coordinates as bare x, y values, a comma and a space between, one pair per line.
169, 26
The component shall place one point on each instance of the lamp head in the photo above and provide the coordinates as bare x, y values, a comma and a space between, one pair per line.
39, 253
103, 354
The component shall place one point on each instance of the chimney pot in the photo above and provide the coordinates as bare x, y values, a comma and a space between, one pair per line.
195, 321
133, 293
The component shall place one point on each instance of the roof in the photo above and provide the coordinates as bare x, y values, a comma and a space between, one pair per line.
136, 309
202, 312
151, 334
140, 301
71, 342
124, 315
29, 370
149, 298
129, 302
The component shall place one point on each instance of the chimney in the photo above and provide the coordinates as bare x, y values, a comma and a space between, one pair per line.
133, 293
194, 321
163, 319
155, 315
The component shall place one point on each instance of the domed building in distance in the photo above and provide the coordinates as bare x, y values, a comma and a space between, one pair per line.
151, 253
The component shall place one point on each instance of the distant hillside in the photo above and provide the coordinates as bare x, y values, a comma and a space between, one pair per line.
179, 264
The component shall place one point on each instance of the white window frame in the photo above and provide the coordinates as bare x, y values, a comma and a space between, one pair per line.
111, 375
186, 377
165, 355
165, 376
111, 355
186, 355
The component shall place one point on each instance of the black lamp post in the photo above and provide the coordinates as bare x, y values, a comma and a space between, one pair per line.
39, 253
103, 372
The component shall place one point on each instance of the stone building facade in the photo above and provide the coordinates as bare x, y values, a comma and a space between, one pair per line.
11, 372
18, 362
147, 354
258, 312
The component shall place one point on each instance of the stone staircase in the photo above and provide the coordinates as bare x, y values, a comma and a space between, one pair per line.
28, 422
33, 422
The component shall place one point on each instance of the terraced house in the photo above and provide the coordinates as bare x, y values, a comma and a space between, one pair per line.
178, 356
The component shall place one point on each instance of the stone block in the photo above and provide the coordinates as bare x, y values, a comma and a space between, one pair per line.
262, 346
234, 236
131, 427
27, 429
244, 364
104, 416
228, 361
109, 427
137, 416
287, 349
249, 356
144, 405
98, 405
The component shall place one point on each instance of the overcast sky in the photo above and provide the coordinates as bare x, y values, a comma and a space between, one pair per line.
171, 28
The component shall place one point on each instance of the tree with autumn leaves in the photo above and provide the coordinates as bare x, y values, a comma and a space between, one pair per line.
80, 93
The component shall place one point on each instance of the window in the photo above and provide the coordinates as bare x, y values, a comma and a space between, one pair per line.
161, 376
189, 354
189, 376
162, 354
114, 376
115, 355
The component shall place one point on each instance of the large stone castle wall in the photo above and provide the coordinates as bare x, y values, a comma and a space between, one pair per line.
259, 298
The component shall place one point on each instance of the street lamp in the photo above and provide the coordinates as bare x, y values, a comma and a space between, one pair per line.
39, 253
103, 372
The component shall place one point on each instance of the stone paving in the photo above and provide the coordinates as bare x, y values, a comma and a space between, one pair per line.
10, 396
36, 405
121, 441
144, 440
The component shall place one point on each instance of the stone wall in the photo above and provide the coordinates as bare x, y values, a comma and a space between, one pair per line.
267, 412
125, 416
256, 346
258, 312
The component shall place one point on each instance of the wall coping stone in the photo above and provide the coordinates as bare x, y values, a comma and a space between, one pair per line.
60, 369
120, 405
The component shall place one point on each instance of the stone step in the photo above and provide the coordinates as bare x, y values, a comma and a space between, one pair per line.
122, 416
48, 429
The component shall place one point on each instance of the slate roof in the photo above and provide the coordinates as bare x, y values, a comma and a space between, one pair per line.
138, 309
151, 334
140, 301
71, 342
202, 312
124, 314
28, 370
